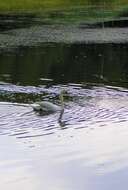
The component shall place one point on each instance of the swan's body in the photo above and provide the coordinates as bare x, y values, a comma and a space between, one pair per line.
49, 107
46, 107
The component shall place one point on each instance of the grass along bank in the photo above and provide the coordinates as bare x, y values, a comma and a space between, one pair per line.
59, 11
41, 5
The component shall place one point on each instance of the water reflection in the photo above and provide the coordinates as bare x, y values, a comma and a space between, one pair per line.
88, 148
93, 146
84, 144
66, 63
83, 107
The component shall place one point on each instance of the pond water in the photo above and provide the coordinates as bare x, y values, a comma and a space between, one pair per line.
88, 148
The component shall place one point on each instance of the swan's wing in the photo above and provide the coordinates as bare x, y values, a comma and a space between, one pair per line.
49, 106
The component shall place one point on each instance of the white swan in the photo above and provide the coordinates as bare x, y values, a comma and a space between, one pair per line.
45, 106
49, 107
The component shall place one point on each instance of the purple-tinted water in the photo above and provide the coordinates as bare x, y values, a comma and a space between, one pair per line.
88, 149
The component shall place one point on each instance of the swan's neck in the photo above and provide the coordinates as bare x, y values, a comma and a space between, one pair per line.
62, 106
62, 101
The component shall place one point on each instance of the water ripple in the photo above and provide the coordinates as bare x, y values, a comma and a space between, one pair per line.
84, 106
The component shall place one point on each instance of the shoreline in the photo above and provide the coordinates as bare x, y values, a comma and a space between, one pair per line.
32, 32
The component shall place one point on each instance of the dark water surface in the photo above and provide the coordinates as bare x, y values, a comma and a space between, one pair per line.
64, 63
88, 149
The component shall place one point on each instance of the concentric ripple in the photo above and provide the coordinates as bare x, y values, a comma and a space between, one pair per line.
85, 106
